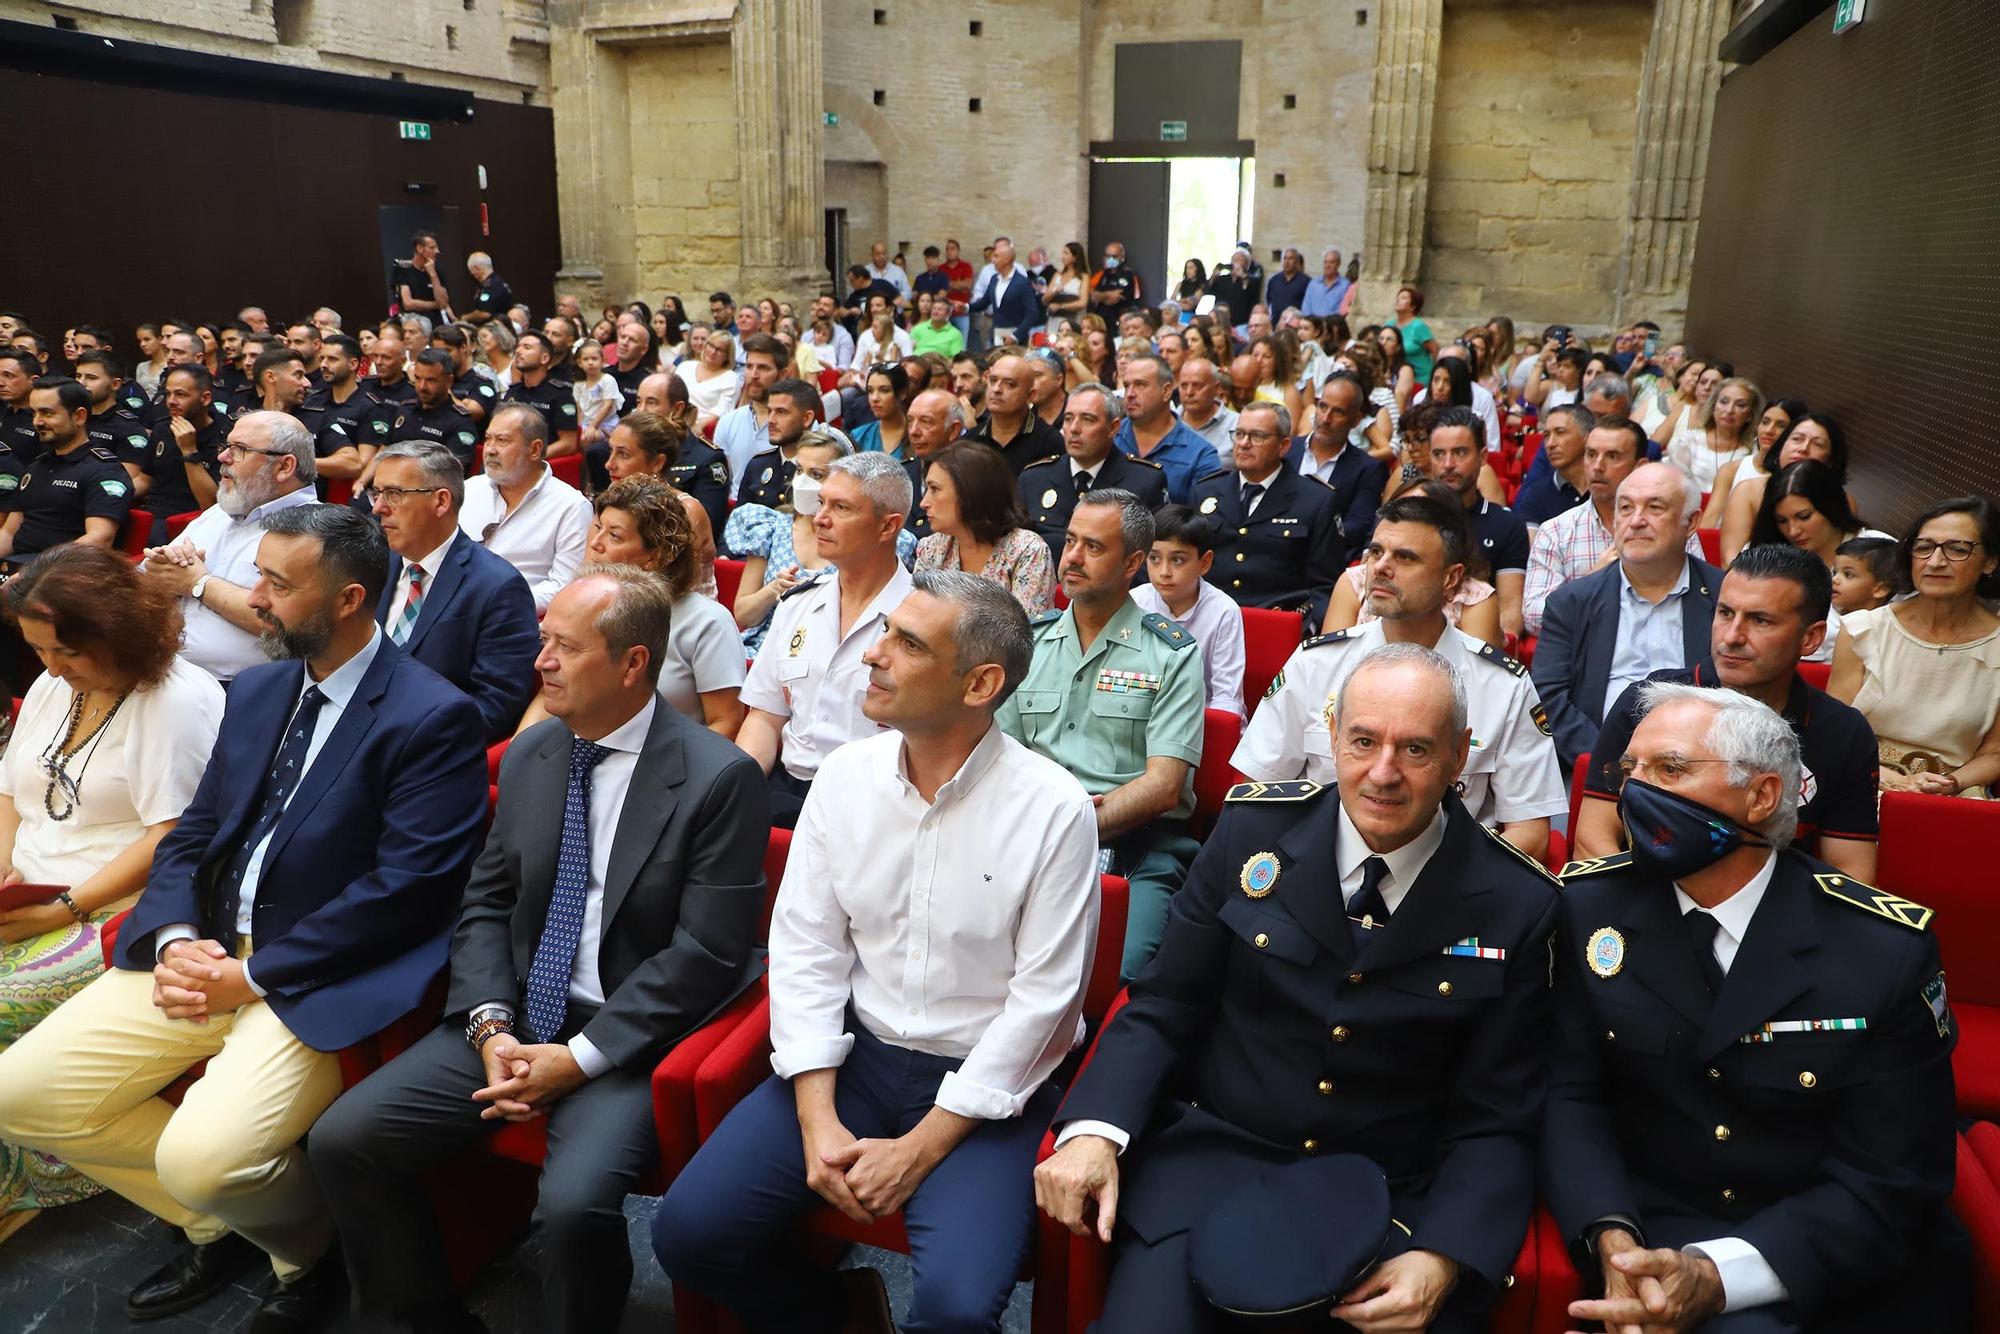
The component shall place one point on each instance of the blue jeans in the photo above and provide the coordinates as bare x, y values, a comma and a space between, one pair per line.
722, 1229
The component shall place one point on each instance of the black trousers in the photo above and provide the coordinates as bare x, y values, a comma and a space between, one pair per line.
370, 1149
788, 796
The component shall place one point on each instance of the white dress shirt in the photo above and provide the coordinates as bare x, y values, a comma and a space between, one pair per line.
337, 690
430, 565
962, 927
1243, 485
1350, 856
1649, 636
1216, 623
812, 676
1747, 1277
207, 640
544, 536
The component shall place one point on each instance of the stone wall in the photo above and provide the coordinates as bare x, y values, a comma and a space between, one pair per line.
686, 221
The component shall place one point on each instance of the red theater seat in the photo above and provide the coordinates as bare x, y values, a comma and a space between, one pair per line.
1269, 637
569, 468
1221, 730
728, 578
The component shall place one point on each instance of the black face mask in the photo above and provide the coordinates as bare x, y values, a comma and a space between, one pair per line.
1677, 835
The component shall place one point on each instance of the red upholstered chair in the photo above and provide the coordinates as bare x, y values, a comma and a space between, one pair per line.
1557, 855
1521, 648
1578, 774
1220, 732
339, 491
743, 1060
1816, 673
1976, 1201
1711, 544
14, 710
568, 467
728, 578
177, 522
494, 754
708, 430
134, 532
1269, 637
1926, 843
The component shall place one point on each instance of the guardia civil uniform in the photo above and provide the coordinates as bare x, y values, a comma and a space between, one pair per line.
1511, 772
1101, 712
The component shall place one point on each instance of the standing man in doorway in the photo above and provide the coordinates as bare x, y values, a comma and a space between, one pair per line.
419, 290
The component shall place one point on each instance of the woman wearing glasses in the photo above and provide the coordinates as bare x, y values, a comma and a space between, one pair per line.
1926, 670
110, 744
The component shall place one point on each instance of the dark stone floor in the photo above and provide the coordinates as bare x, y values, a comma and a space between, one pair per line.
67, 1273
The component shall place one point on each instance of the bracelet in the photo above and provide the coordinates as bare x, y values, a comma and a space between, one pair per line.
480, 1033
74, 911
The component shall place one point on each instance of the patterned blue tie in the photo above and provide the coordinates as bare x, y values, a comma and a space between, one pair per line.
286, 770
555, 953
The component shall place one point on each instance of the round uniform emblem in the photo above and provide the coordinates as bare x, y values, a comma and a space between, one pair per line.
1606, 951
1208, 506
765, 478
1049, 498
798, 640
1260, 874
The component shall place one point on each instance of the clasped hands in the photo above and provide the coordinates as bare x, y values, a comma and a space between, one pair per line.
523, 1078
866, 1179
177, 566
195, 979
1651, 1291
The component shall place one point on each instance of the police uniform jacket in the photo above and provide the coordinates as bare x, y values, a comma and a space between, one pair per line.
59, 491
1287, 554
767, 479
1260, 1033
554, 397
121, 432
1357, 482
1048, 490
702, 471
17, 433
362, 420
401, 394
446, 424
476, 387
1806, 1108
169, 492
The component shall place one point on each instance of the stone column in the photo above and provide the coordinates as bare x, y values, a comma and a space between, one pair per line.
593, 160
776, 69
1670, 153
1399, 146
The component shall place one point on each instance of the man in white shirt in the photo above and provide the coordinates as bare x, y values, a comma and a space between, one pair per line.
267, 466
929, 952
744, 430
879, 267
1202, 409
838, 352
806, 690
520, 510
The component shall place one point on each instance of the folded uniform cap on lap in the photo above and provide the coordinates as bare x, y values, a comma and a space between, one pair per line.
1291, 1237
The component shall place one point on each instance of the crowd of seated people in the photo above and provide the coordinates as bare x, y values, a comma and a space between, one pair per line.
454, 679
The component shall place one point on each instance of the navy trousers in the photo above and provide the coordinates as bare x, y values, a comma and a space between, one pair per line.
722, 1229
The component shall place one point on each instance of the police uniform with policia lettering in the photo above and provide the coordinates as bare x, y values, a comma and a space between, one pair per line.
1288, 1016
60, 490
1794, 1124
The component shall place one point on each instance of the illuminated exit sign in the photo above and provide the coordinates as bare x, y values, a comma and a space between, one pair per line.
413, 129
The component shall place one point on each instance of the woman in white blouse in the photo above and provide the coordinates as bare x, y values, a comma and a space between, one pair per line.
711, 377
109, 747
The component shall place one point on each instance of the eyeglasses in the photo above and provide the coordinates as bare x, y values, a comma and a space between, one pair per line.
1955, 552
230, 446
1667, 766
395, 492
1243, 437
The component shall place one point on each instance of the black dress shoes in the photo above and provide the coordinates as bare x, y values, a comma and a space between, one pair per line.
195, 1274
312, 1301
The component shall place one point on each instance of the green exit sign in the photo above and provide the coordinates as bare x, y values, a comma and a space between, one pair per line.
1173, 131
413, 129
833, 118
1848, 14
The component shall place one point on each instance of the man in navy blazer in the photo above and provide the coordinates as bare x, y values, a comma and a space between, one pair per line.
1650, 608
1355, 476
303, 901
451, 604
1011, 295
1279, 542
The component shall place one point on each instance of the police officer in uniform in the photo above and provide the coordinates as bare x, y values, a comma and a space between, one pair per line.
18, 372
536, 384
75, 491
1750, 1100
1278, 540
184, 465
1360, 970
1050, 487
473, 392
1115, 695
1414, 563
698, 469
113, 425
792, 406
348, 423
435, 417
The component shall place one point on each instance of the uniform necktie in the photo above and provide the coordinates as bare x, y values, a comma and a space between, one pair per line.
1083, 482
286, 769
1367, 901
413, 605
1701, 929
1251, 492
555, 953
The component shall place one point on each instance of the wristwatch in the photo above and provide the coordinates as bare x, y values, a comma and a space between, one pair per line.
200, 587
484, 1022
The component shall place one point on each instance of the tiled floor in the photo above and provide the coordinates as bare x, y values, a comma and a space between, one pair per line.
67, 1273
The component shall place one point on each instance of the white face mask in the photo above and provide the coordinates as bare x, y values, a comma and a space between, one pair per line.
805, 493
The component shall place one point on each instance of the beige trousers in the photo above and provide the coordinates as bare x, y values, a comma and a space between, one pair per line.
84, 1083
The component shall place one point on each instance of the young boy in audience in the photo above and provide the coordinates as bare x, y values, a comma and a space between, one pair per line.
1864, 573
1177, 588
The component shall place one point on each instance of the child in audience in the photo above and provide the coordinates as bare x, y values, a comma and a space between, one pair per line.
1183, 550
1864, 574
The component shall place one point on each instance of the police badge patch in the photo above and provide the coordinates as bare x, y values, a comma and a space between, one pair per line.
1260, 874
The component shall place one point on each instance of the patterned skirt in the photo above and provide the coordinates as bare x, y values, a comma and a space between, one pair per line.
36, 975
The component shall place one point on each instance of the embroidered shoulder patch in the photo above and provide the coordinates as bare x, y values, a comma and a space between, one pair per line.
1297, 790
1177, 638
1881, 902
1597, 865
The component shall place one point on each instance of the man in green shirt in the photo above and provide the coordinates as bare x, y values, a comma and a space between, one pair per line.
937, 334
1115, 696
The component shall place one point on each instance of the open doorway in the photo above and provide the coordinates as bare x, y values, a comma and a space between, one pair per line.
1168, 210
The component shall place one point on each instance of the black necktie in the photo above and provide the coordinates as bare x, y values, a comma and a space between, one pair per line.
1367, 904
1083, 481
1701, 929
1250, 494
286, 770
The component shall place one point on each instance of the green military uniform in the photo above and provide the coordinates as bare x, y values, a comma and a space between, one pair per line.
1101, 712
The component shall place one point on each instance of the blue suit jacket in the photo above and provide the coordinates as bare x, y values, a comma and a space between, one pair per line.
366, 867
1580, 633
1017, 307
1358, 479
477, 629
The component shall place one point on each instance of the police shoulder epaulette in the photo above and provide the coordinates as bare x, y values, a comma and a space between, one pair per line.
1048, 617
812, 580
100, 452
1298, 790
1134, 458
1524, 858
1878, 901
1493, 655
1041, 462
1211, 476
1177, 638
1617, 861
1321, 641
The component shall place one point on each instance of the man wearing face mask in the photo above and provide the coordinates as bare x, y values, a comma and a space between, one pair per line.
1750, 1112
1114, 289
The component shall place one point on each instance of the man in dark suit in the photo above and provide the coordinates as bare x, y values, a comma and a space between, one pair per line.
1010, 297
1330, 455
613, 909
1751, 1073
450, 603
1275, 1025
302, 903
1050, 486
1650, 608
1279, 542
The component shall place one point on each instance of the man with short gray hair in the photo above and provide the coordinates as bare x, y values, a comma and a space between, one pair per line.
1327, 294
450, 603
936, 419
495, 296
1116, 696
1151, 432
885, 959
1750, 1111
1051, 488
1200, 384
1279, 540
805, 692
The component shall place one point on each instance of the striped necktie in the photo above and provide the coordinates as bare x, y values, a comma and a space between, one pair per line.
413, 605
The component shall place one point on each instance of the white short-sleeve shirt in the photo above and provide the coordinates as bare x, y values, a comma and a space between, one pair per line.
704, 652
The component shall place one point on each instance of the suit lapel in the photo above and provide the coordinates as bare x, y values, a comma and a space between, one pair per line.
264, 719
1766, 974
1308, 885
1659, 954
451, 574
649, 806
353, 724
547, 783
1600, 643
1426, 921
388, 598
1697, 613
